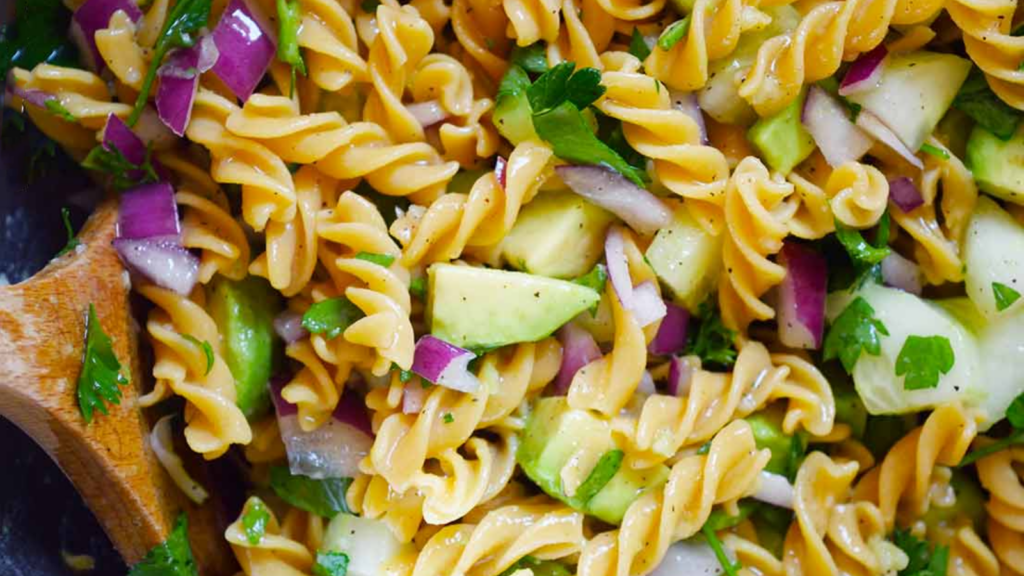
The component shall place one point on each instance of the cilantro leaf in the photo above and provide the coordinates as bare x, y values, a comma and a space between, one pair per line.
73, 242
602, 472
254, 521
712, 341
584, 87
38, 35
183, 21
205, 347
638, 46
1015, 412
289, 16
331, 317
54, 106
934, 151
595, 279
978, 101
101, 372
369, 6
321, 497
384, 260
1004, 295
732, 568
530, 58
550, 89
860, 251
513, 84
923, 560
855, 329
572, 140
448, 418
418, 287
125, 173
922, 358
1015, 415
173, 557
330, 564
675, 32
538, 567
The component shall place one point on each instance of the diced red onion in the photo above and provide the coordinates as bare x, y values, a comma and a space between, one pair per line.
246, 49
643, 301
686, 102
153, 132
95, 15
693, 556
680, 373
117, 135
839, 139
413, 397
351, 410
149, 212
899, 272
877, 129
865, 72
427, 113
578, 350
801, 301
163, 263
643, 211
671, 336
647, 306
179, 80
208, 53
288, 325
905, 194
444, 364
775, 489
37, 98
501, 170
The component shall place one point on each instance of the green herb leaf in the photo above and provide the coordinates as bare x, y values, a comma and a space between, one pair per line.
513, 84
675, 32
731, 568
418, 287
855, 329
321, 497
532, 58
73, 242
795, 456
704, 448
923, 560
860, 251
561, 83
607, 466
369, 6
609, 131
595, 279
572, 140
584, 87
922, 358
331, 317
1015, 412
978, 101
330, 564
124, 173
1015, 415
720, 520
638, 46
54, 106
934, 151
289, 17
448, 418
1004, 295
713, 342
185, 19
38, 35
254, 521
384, 260
538, 567
205, 347
101, 372
173, 557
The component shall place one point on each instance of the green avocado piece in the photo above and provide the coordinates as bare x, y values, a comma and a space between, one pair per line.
970, 503
786, 449
781, 138
244, 312
611, 503
998, 166
686, 258
558, 234
850, 410
513, 116
475, 307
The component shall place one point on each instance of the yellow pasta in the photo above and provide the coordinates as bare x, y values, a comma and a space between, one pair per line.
1001, 475
207, 225
276, 552
120, 52
331, 47
479, 26
988, 37
858, 194
586, 32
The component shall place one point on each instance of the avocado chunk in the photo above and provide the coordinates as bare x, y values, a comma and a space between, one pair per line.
558, 234
244, 312
970, 503
786, 450
781, 138
611, 503
368, 543
850, 410
994, 252
482, 307
512, 114
686, 258
998, 166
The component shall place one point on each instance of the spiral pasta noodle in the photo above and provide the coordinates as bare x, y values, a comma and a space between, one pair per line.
121, 52
331, 46
479, 27
858, 194
988, 37
585, 34
275, 553
207, 225
1000, 475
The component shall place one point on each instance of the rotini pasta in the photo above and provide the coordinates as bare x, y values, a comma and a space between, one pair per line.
1000, 475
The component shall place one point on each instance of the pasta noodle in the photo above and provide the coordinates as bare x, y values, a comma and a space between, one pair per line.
275, 553
858, 194
1000, 475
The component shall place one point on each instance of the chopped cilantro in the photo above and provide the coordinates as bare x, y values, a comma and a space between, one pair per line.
289, 16
573, 140
1015, 415
448, 418
324, 497
934, 151
331, 317
712, 341
54, 106
595, 279
418, 287
538, 567
921, 360
38, 35
125, 174
205, 347
563, 83
172, 557
101, 372
978, 101
675, 32
704, 448
731, 567
531, 58
923, 560
73, 242
855, 329
638, 46
1004, 295
330, 564
254, 521
602, 472
384, 260
860, 251
369, 6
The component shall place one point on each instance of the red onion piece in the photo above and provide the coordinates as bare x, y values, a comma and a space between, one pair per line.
646, 386
501, 170
413, 397
898, 272
37, 98
680, 374
578, 350
246, 49
671, 336
117, 135
149, 212
643, 301
647, 306
288, 325
694, 556
179, 80
877, 129
95, 15
351, 410
281, 406
839, 139
640, 209
444, 364
775, 489
208, 53
801, 301
165, 264
865, 72
428, 113
905, 194
686, 102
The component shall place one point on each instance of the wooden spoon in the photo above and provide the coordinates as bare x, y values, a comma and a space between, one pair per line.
42, 327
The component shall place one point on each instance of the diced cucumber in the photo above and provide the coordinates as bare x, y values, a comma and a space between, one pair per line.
781, 138
994, 251
368, 543
611, 503
997, 166
686, 258
1002, 349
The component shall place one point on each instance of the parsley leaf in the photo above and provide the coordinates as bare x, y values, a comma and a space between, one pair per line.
206, 348
922, 358
561, 83
54, 106
39, 34
289, 15
173, 557
638, 46
321, 497
254, 521
923, 560
855, 329
330, 564
595, 279
448, 418
532, 58
934, 151
418, 287
712, 341
1015, 415
331, 317
1004, 295
860, 251
675, 32
609, 131
1015, 412
369, 6
538, 567
602, 472
101, 372
384, 260
572, 140
185, 19
732, 568
73, 242
978, 101
126, 174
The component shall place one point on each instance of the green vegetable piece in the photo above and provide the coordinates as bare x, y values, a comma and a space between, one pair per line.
923, 560
978, 101
532, 58
384, 260
675, 32
39, 35
934, 151
605, 469
922, 358
72, 242
969, 503
331, 317
855, 329
101, 371
712, 342
206, 348
512, 113
254, 521
638, 46
418, 287
54, 106
173, 557
330, 564
595, 279
321, 497
860, 251
1004, 295
612, 501
850, 409
882, 432
183, 21
782, 139
997, 163
731, 568
125, 174
720, 520
289, 17
538, 567
1015, 412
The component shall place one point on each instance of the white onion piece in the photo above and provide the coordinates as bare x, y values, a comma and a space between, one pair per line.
578, 350
801, 302
647, 306
839, 140
775, 489
680, 374
901, 273
691, 557
427, 113
165, 264
641, 210
413, 397
876, 128
686, 102
642, 301
163, 447
444, 364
